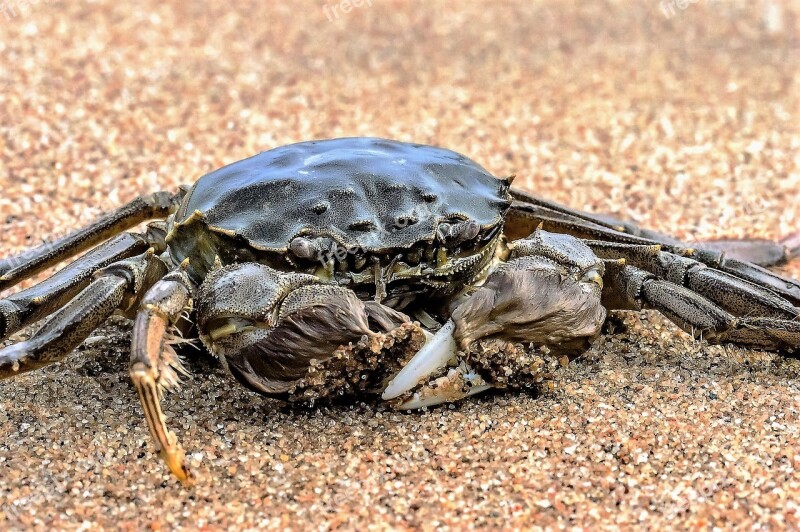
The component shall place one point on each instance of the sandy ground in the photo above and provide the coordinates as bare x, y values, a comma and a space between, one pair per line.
685, 120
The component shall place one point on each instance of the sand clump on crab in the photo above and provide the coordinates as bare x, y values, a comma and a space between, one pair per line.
368, 366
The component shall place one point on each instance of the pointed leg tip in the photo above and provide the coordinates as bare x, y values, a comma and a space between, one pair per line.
792, 244
176, 462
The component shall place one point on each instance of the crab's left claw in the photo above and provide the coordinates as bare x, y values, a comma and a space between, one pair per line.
532, 299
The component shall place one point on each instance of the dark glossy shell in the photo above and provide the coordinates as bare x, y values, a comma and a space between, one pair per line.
374, 194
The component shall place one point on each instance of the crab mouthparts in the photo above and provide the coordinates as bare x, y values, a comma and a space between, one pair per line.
438, 356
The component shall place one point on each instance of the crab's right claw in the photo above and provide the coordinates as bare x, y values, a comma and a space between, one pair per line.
529, 299
792, 245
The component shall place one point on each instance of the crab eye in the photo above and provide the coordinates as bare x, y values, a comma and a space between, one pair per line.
454, 233
302, 247
593, 276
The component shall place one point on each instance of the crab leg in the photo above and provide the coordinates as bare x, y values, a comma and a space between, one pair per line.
737, 296
20, 267
533, 210
756, 251
27, 306
524, 218
154, 366
630, 288
115, 287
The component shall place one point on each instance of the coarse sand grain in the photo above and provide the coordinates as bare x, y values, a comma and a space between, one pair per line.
681, 116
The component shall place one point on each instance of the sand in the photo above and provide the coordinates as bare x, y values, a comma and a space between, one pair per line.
684, 120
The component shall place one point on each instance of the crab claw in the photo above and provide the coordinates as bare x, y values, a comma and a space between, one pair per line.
435, 354
438, 353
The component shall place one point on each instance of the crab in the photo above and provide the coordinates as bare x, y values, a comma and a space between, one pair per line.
365, 265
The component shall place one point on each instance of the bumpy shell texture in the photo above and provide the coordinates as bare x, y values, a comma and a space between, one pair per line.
369, 193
